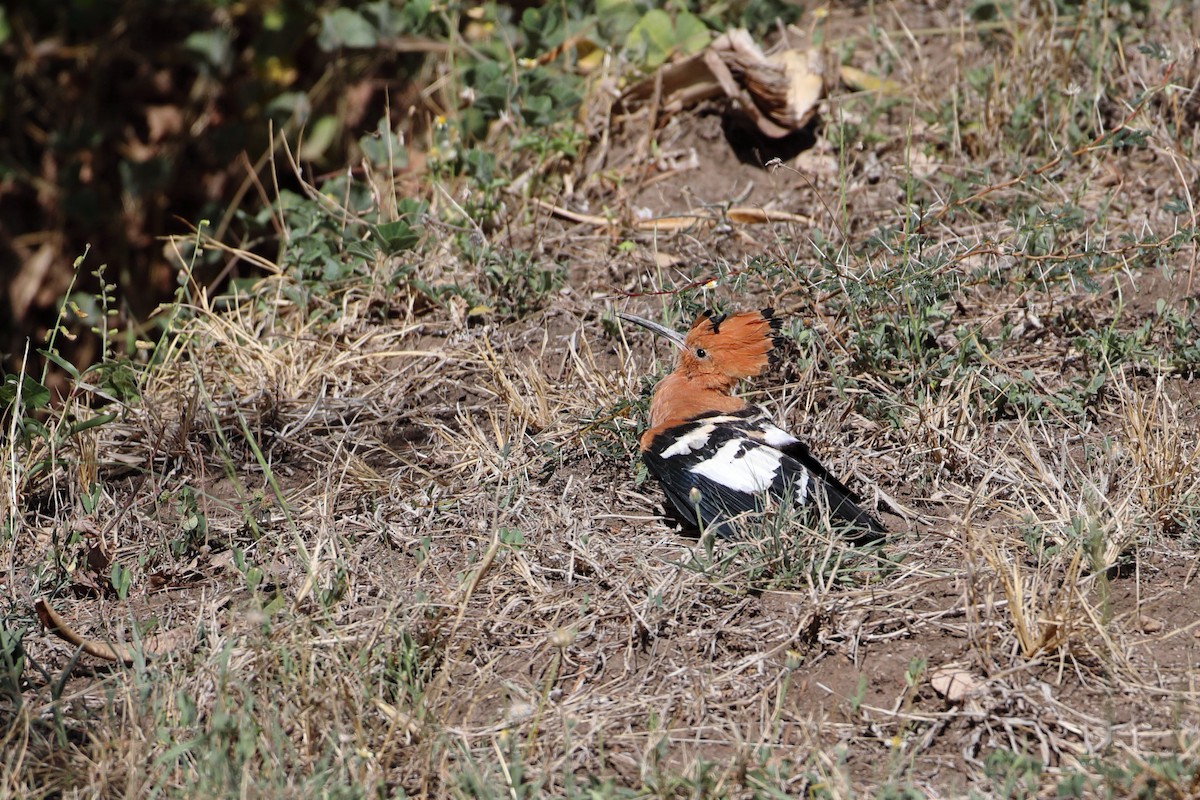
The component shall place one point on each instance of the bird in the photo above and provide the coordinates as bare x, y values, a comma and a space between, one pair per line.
719, 458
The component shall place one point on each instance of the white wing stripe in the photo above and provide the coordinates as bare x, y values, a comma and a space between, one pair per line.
776, 437
752, 471
692, 440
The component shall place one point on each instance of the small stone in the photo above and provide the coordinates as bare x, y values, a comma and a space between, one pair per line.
954, 683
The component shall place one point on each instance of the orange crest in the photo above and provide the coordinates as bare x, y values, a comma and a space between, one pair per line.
714, 355
740, 346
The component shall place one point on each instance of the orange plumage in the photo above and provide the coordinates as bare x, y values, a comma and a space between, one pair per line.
716, 353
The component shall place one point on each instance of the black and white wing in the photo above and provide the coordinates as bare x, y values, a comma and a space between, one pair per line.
843, 503
721, 465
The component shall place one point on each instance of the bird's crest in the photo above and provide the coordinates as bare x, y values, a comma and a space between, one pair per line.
720, 350
716, 353
738, 346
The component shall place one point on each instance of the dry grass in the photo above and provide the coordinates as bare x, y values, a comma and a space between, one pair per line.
394, 542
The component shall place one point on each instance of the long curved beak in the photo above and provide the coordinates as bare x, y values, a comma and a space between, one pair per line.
654, 327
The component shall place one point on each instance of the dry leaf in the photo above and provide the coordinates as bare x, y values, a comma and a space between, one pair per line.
588, 56
863, 81
760, 216
407, 723
58, 626
742, 215
98, 558
672, 223
163, 122
222, 561
24, 287
159, 644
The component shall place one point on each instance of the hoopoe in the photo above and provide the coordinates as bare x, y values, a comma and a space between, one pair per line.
716, 455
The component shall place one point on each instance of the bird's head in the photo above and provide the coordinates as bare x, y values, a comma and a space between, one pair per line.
720, 350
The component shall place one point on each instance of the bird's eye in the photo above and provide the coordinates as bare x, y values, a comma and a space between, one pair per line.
700, 353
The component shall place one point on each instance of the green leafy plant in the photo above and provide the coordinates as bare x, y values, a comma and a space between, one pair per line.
1013, 774
121, 580
12, 663
657, 36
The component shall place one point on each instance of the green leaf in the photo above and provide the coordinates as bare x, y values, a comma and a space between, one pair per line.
542, 28
63, 364
652, 38
417, 17
12, 660
119, 379
33, 393
320, 137
691, 35
403, 233
383, 17
93, 422
615, 18
398, 235
120, 578
274, 19
212, 47
382, 148
254, 577
276, 604
288, 105
411, 207
343, 27
538, 111
481, 164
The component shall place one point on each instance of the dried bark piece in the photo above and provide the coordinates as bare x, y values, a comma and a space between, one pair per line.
741, 215
778, 93
58, 626
155, 646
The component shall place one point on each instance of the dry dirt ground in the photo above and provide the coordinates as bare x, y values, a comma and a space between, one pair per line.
404, 545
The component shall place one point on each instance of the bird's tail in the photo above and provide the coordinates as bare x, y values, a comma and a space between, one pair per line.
860, 526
